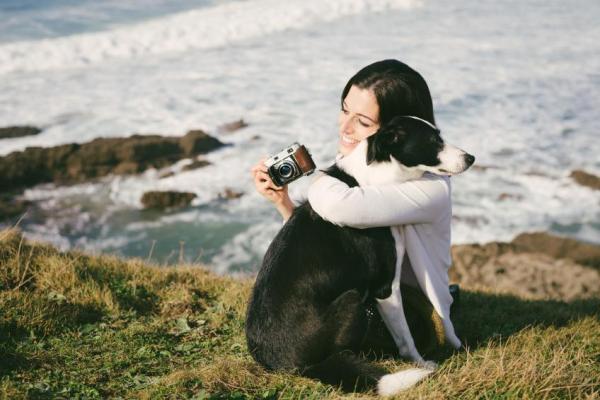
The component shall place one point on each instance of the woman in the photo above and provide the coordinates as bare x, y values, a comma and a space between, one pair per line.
421, 208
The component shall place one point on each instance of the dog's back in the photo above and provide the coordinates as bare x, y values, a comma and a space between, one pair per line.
311, 264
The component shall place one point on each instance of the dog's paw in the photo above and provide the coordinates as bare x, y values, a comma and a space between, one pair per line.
428, 365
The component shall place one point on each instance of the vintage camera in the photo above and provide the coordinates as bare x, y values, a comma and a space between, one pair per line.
290, 164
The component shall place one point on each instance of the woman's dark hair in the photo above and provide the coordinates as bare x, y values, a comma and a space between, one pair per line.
399, 90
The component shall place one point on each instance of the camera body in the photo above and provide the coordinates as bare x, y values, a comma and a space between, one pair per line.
290, 164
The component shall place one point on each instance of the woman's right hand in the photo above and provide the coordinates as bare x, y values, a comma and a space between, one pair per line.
275, 194
265, 186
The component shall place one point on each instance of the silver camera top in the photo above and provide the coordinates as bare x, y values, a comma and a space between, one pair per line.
282, 154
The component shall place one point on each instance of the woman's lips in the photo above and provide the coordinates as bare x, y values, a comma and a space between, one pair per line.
347, 141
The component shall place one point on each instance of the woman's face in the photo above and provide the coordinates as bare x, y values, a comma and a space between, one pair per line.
359, 118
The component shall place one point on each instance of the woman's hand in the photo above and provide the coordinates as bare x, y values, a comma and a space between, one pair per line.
265, 186
275, 194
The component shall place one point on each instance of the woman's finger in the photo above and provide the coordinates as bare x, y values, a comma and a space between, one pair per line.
263, 176
270, 185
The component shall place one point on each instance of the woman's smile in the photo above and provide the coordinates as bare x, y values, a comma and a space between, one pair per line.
347, 141
358, 118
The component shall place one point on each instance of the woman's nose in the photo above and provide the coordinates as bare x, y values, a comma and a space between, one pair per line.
345, 124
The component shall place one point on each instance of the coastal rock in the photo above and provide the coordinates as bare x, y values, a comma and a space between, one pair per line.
74, 163
167, 199
18, 131
228, 194
536, 265
233, 126
559, 247
12, 206
586, 179
195, 165
539, 276
198, 142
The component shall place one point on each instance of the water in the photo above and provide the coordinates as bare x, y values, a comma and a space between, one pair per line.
514, 83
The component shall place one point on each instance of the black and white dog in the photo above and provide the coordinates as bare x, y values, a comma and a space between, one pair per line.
308, 310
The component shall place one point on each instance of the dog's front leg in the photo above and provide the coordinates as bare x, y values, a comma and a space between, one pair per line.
392, 312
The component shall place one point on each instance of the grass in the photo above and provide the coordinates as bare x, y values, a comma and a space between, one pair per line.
74, 325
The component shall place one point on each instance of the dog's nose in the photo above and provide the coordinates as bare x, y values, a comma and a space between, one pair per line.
469, 159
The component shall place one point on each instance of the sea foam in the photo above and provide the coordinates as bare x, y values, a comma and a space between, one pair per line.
196, 29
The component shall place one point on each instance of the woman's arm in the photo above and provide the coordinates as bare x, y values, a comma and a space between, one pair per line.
411, 202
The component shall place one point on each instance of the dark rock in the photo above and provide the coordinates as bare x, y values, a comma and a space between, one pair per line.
228, 194
586, 179
195, 165
73, 163
18, 131
167, 199
233, 126
478, 167
534, 172
166, 174
198, 142
11, 206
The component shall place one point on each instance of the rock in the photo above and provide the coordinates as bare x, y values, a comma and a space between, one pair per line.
74, 163
505, 196
559, 247
233, 126
11, 206
228, 194
166, 174
534, 172
539, 276
195, 165
198, 142
536, 265
18, 131
586, 179
167, 199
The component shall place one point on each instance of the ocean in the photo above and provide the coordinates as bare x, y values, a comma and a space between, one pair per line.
517, 84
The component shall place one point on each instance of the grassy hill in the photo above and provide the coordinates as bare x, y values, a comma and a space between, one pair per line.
73, 325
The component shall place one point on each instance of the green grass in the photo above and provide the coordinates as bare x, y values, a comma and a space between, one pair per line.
74, 325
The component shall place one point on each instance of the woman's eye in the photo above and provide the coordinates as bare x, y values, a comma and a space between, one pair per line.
344, 111
364, 124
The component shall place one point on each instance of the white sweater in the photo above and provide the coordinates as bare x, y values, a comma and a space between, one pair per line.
420, 212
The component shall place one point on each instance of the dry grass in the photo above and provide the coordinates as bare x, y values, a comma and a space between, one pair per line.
75, 325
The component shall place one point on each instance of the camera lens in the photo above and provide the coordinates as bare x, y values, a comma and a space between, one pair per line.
285, 170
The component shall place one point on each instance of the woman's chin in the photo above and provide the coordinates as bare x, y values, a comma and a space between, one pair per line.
344, 149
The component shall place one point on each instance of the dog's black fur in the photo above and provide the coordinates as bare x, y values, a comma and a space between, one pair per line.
309, 303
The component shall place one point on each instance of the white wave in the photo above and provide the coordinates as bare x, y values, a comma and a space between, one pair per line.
245, 248
196, 29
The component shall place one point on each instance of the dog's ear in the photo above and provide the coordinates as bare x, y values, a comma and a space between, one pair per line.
373, 148
381, 142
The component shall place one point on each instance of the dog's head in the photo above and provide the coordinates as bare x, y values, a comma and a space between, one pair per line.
404, 149
416, 143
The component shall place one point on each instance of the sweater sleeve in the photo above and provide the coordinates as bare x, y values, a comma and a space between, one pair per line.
412, 202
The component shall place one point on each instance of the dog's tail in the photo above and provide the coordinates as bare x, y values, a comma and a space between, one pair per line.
351, 373
392, 384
